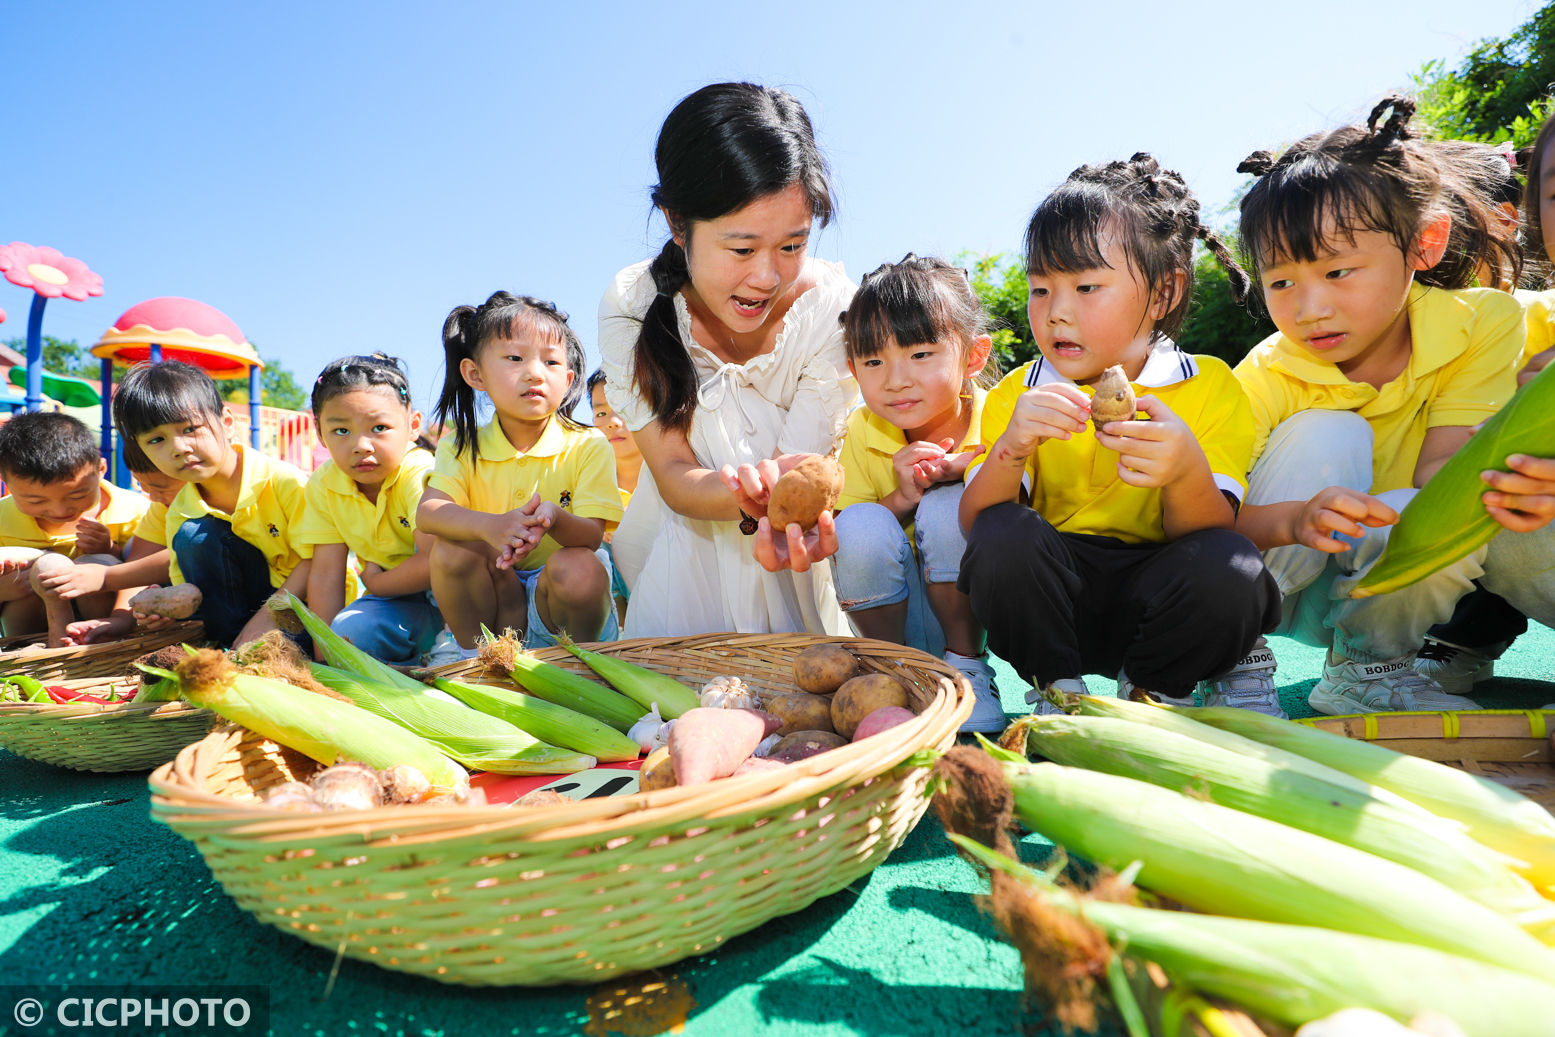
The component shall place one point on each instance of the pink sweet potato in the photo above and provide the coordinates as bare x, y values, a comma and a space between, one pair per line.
758, 763
882, 719
708, 743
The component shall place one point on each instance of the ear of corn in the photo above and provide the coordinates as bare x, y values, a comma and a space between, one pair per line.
1333, 810
1446, 519
638, 683
476, 739
1492, 814
321, 728
572, 690
545, 720
1215, 859
344, 655
1293, 974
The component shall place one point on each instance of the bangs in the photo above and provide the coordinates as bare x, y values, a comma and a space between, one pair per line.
165, 394
1065, 232
511, 322
1314, 207
907, 312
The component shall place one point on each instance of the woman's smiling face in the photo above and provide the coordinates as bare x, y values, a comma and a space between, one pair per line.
742, 264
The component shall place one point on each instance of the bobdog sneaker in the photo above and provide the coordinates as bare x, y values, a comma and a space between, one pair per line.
1247, 685
1455, 668
1042, 706
987, 711
1390, 685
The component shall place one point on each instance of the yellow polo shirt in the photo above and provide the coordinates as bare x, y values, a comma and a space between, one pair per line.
572, 467
381, 531
121, 513
1074, 482
153, 525
872, 442
269, 508
1465, 348
1539, 317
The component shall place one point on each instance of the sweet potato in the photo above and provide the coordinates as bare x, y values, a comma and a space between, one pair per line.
177, 602
757, 764
822, 669
710, 743
801, 745
657, 771
803, 492
860, 697
800, 711
882, 719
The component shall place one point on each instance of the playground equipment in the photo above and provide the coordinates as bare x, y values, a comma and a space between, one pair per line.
50, 275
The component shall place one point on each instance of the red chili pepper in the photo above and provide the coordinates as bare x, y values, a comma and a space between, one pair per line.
60, 694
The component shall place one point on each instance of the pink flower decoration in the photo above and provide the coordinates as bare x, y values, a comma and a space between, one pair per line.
2, 316
47, 272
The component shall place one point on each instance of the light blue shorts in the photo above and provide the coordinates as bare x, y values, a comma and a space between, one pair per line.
536, 633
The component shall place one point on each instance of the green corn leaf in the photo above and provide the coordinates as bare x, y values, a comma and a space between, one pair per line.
1447, 520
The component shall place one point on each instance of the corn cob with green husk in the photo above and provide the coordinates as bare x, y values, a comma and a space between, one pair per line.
322, 728
554, 684
644, 686
1215, 859
1290, 974
1493, 814
1333, 809
344, 655
476, 739
1447, 519
545, 720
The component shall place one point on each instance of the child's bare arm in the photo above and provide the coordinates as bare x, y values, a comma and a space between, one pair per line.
1056, 411
1311, 523
1439, 445
1164, 453
326, 591
412, 575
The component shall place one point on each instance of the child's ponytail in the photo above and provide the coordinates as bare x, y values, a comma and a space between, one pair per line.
456, 403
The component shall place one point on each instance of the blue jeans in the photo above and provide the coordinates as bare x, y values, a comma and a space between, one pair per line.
536, 633
395, 630
232, 574
876, 565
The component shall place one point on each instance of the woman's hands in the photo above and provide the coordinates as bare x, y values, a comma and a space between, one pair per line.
776, 550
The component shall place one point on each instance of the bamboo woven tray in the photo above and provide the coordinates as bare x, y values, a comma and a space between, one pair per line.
84, 736
579, 892
26, 655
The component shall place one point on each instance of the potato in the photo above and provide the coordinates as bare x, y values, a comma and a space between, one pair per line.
657, 771
801, 745
177, 602
800, 711
803, 492
1113, 399
822, 669
860, 697
882, 719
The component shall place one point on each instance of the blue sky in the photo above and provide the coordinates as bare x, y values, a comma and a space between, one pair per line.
336, 177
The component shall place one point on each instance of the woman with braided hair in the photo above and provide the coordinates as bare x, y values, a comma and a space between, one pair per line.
724, 356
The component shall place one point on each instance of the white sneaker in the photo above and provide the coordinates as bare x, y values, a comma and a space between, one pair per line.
1390, 685
1127, 690
987, 711
1454, 668
1042, 707
1247, 685
446, 650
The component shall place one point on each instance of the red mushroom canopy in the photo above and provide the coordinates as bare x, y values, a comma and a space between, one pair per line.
186, 330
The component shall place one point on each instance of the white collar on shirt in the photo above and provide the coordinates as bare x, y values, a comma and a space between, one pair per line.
1166, 365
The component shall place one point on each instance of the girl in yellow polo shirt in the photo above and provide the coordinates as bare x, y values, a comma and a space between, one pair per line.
363, 501
518, 507
1382, 364
1124, 563
916, 338
232, 528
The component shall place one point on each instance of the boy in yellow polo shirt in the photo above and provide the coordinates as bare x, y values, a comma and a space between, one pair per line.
519, 506
59, 503
1382, 365
1124, 562
232, 528
915, 337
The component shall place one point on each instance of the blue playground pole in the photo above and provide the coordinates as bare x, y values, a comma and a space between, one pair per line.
156, 353
253, 406
107, 369
35, 353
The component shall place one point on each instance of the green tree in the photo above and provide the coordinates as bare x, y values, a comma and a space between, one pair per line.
1499, 92
1216, 324
1000, 283
62, 356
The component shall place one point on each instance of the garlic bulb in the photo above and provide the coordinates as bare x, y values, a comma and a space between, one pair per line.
728, 693
651, 731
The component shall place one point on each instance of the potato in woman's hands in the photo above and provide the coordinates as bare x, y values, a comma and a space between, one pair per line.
804, 491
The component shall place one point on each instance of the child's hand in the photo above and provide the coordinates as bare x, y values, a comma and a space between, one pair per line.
1156, 452
1338, 509
791, 549
81, 578
92, 537
1055, 411
510, 534
1537, 363
1523, 499
913, 465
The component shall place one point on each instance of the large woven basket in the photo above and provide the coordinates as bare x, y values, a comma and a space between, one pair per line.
25, 654
577, 892
84, 736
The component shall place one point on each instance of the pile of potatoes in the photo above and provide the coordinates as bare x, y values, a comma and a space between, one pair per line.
832, 705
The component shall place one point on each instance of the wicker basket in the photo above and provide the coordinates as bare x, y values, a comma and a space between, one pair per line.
26, 655
572, 893
85, 736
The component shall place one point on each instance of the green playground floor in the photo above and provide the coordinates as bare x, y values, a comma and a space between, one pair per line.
96, 893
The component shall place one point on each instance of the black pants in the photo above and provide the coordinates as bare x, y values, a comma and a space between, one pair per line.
232, 574
1482, 619
1062, 605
